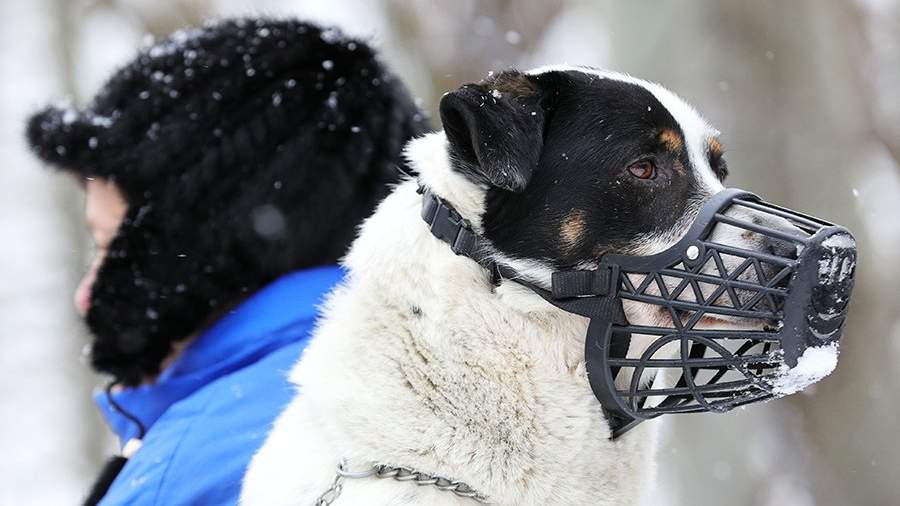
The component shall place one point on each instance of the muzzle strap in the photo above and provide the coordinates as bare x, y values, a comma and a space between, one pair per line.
575, 291
567, 284
447, 225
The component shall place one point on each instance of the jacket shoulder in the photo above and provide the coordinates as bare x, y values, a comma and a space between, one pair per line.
198, 451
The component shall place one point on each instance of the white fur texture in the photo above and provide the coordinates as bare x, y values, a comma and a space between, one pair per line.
487, 387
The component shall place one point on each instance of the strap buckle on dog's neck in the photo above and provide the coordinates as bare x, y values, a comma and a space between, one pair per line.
447, 225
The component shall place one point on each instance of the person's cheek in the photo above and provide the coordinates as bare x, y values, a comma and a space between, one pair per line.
83, 292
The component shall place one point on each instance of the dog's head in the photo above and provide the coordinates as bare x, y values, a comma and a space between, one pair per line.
578, 163
571, 163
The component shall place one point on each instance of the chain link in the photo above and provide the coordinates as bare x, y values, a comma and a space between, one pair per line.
337, 486
398, 473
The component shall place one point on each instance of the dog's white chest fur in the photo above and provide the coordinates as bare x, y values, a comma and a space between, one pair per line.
418, 362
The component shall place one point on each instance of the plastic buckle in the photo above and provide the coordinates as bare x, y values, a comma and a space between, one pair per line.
581, 283
451, 228
446, 224
444, 227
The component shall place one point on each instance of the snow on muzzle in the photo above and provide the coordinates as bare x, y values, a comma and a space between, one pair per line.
744, 321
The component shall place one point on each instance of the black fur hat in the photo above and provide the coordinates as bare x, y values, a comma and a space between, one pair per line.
245, 150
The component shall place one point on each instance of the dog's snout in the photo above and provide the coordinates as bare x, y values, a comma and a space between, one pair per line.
779, 248
758, 231
782, 249
776, 245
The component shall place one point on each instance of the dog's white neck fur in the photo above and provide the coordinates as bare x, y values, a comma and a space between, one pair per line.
419, 362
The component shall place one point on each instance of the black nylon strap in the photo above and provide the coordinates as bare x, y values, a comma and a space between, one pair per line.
580, 283
447, 225
575, 291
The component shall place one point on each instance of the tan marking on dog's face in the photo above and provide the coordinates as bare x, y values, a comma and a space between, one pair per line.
715, 147
672, 140
571, 230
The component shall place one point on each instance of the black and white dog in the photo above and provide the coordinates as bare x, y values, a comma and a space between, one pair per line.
421, 361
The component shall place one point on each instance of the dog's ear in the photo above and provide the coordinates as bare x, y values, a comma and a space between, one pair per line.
496, 129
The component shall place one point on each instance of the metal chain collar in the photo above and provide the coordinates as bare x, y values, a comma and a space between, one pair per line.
398, 473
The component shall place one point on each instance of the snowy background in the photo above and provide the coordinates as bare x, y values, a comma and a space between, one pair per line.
807, 94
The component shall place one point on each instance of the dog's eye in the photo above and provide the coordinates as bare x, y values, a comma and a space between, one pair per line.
644, 169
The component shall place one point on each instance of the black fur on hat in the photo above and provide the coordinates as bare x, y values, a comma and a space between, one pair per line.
245, 150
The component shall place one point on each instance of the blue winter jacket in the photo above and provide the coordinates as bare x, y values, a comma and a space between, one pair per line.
210, 411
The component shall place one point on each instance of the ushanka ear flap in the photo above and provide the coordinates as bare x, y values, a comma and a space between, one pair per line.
147, 295
162, 281
495, 130
123, 318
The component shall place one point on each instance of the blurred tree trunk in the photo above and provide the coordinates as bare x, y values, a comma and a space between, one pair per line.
50, 439
53, 433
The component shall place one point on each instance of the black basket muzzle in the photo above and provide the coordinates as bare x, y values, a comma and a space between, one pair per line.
747, 306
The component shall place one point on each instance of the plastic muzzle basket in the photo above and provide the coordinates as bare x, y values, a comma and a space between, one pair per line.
738, 320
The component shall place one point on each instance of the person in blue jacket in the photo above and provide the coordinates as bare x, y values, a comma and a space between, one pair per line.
225, 169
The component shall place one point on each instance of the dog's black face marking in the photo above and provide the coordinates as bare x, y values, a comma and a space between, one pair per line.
612, 169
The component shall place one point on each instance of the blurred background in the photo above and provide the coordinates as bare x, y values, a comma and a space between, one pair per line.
806, 93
